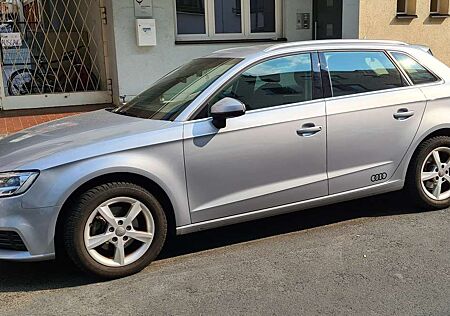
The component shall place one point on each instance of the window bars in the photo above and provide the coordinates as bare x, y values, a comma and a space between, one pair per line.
50, 46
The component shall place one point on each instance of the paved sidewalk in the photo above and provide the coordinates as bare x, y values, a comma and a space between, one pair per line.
9, 125
14, 121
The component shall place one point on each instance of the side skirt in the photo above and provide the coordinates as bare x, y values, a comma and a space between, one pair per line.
293, 207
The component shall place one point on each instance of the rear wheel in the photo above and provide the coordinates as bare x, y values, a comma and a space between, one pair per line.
429, 176
115, 230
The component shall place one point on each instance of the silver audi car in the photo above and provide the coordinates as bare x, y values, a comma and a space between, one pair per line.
234, 136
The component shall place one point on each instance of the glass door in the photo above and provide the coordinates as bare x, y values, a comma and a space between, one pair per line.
327, 19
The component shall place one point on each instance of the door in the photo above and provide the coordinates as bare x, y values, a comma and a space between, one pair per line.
273, 155
53, 54
372, 120
327, 19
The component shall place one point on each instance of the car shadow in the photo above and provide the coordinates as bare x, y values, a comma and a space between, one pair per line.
29, 277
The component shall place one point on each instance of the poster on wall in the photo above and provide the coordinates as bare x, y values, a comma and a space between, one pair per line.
11, 40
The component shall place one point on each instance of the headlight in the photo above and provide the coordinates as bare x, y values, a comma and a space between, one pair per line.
14, 183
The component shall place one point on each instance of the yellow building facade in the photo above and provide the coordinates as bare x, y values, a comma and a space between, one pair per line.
424, 22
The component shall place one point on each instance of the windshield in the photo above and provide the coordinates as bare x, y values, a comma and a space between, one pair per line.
168, 97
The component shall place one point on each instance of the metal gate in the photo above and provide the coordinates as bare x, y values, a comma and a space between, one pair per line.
52, 53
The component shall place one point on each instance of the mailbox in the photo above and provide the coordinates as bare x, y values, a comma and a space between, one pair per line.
146, 32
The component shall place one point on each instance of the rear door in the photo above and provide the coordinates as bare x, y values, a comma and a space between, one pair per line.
372, 118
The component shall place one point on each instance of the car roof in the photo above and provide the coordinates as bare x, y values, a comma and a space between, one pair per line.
253, 51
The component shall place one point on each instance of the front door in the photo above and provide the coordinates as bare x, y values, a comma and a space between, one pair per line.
273, 155
327, 19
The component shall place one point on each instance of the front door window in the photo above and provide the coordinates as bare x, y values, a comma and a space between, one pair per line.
279, 81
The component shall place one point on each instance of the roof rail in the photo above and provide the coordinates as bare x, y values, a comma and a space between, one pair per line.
315, 42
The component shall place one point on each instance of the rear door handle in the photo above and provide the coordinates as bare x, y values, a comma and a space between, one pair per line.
309, 130
403, 114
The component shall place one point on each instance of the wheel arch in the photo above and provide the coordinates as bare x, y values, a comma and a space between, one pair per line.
440, 131
131, 177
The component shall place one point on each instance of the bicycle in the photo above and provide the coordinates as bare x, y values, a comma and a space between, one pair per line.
51, 77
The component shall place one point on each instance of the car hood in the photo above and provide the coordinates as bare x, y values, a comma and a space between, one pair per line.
76, 138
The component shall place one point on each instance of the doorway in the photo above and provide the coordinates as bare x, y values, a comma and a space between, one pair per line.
327, 19
52, 53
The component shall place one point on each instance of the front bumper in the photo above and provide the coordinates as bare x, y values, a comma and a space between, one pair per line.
24, 256
36, 228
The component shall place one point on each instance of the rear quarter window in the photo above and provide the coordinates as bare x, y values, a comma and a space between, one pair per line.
416, 72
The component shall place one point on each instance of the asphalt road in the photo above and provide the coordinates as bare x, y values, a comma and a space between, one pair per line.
369, 257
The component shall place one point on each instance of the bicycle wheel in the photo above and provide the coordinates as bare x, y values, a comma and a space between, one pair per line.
24, 82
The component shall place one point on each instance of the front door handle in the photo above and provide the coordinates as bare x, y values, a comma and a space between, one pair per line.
309, 130
403, 114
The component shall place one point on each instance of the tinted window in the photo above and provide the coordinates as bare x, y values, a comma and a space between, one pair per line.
275, 82
358, 72
415, 71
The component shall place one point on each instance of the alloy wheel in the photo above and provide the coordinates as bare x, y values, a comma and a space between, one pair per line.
119, 232
435, 175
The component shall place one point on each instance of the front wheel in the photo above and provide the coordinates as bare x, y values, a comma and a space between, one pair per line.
115, 230
429, 176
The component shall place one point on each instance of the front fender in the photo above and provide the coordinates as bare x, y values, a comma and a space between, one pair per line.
163, 165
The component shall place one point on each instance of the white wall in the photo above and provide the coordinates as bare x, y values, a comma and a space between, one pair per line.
138, 67
290, 10
350, 19
111, 52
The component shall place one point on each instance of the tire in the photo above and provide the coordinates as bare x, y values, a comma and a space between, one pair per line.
87, 221
423, 193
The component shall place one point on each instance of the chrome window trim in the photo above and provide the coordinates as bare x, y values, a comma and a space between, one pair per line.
369, 93
384, 91
250, 61
271, 108
399, 68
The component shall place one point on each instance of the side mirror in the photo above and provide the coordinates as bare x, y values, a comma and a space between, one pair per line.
225, 109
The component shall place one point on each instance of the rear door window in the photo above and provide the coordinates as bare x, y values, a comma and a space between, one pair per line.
416, 72
362, 71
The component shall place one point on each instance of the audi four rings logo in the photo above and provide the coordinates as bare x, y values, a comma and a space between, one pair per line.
379, 177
